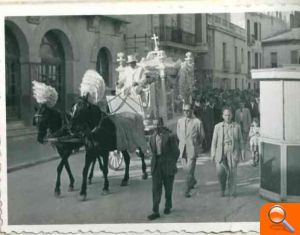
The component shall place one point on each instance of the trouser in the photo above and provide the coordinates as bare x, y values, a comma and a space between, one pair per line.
227, 173
159, 179
188, 165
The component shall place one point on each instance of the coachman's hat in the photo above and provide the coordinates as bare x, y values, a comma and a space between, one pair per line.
131, 58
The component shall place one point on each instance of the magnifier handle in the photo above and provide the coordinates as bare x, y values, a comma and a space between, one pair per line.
288, 226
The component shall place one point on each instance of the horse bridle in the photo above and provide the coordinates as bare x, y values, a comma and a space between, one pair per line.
37, 118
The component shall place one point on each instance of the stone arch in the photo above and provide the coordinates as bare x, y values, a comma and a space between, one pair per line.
71, 54
16, 75
69, 42
21, 39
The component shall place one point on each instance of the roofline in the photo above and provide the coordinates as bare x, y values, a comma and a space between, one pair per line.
295, 41
116, 18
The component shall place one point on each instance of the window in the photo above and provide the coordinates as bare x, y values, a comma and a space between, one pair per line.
260, 60
178, 21
242, 55
235, 83
249, 61
248, 31
274, 60
198, 26
256, 60
224, 55
255, 31
294, 57
259, 31
103, 63
235, 59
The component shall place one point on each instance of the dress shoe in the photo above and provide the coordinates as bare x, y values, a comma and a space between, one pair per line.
167, 211
153, 216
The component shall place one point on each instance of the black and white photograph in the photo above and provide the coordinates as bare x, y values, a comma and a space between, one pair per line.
167, 118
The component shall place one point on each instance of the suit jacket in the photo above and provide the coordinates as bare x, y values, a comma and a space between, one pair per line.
169, 153
217, 141
254, 110
191, 139
245, 122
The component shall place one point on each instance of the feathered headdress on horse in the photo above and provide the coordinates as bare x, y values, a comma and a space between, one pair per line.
92, 86
44, 94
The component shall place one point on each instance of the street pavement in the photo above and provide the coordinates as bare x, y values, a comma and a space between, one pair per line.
26, 151
31, 190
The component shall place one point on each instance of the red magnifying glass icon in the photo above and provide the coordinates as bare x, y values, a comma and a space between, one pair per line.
277, 215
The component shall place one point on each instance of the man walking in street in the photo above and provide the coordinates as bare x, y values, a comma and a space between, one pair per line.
165, 152
243, 118
190, 133
226, 149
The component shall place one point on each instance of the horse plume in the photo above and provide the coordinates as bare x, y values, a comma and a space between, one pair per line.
93, 84
44, 94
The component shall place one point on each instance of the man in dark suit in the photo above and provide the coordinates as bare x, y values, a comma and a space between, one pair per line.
165, 153
253, 107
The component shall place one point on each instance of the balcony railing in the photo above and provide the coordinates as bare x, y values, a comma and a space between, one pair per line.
166, 33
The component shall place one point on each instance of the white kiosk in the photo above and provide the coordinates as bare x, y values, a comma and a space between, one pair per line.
280, 131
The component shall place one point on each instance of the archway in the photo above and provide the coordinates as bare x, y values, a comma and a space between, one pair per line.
103, 65
13, 80
51, 70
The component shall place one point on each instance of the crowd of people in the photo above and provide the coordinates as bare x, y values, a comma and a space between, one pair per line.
208, 106
219, 121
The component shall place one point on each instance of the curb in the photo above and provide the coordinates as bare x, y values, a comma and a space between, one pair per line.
34, 163
30, 164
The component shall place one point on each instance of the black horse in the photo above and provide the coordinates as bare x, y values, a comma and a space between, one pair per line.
100, 138
51, 121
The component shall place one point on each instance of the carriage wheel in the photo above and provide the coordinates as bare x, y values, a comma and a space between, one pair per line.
115, 160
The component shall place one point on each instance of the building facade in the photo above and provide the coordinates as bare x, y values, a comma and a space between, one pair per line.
57, 51
177, 34
258, 26
282, 49
225, 62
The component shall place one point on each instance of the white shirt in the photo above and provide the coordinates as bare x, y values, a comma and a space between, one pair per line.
158, 141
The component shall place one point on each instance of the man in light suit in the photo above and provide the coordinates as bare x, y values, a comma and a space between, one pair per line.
190, 133
243, 117
227, 148
165, 154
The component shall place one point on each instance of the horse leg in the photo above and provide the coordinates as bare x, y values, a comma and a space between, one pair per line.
105, 173
100, 163
127, 163
88, 159
60, 166
72, 180
92, 171
144, 166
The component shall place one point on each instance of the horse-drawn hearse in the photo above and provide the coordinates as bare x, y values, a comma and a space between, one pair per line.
122, 127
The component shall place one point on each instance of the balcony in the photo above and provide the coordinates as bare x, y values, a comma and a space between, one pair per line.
226, 66
175, 35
